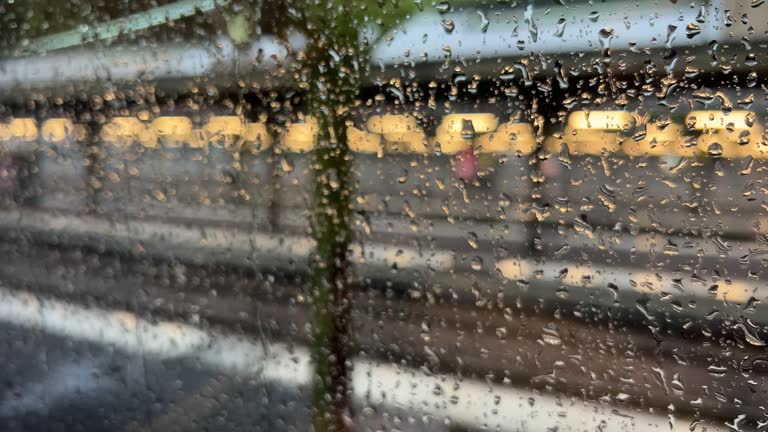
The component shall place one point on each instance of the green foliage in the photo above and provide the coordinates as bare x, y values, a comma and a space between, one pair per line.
382, 15
388, 14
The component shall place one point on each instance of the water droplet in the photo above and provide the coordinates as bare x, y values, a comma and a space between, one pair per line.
476, 263
507, 75
472, 240
560, 29
467, 129
715, 150
606, 34
717, 371
550, 336
691, 30
736, 424
750, 336
484, 22
286, 165
581, 225
159, 195
443, 7
671, 29
403, 177
448, 25
533, 31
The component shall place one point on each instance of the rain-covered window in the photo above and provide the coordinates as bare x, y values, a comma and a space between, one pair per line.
390, 215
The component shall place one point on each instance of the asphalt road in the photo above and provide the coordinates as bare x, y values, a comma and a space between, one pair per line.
54, 383
51, 383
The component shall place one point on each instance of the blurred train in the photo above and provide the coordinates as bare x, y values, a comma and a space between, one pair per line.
601, 168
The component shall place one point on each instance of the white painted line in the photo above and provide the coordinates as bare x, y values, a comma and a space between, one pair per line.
688, 246
166, 236
402, 257
162, 339
643, 281
497, 407
446, 398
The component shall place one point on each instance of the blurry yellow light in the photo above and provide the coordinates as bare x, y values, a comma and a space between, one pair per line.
555, 143
759, 149
58, 130
718, 120
195, 139
363, 142
735, 292
582, 276
410, 142
732, 145
173, 131
394, 127
19, 135
127, 130
5, 132
729, 135
600, 120
224, 129
514, 269
448, 141
593, 142
300, 137
593, 132
22, 129
658, 142
456, 131
225, 125
508, 138
121, 127
81, 133
257, 137
478, 123
686, 148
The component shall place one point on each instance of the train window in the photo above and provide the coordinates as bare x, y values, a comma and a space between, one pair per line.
406, 215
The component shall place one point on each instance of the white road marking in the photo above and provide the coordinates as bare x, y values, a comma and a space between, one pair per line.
636, 279
444, 397
169, 236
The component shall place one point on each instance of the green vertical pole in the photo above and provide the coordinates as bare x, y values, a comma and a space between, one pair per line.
332, 79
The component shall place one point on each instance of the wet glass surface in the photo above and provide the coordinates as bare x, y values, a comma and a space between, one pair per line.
393, 215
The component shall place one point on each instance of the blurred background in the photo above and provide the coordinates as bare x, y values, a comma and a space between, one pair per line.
558, 215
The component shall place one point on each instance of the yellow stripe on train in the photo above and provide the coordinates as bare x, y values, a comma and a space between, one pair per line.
735, 134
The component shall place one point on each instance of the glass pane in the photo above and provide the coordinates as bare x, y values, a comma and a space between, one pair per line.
393, 215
